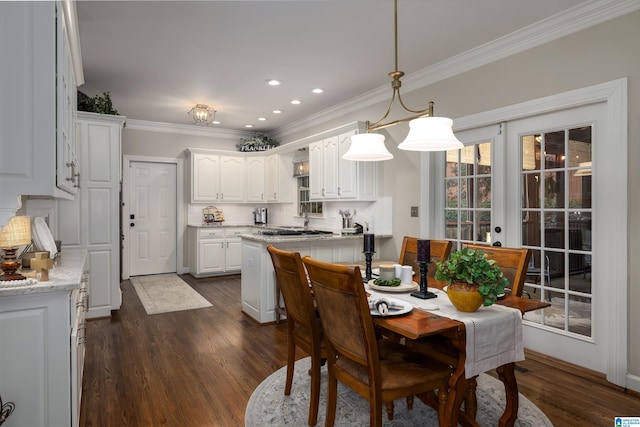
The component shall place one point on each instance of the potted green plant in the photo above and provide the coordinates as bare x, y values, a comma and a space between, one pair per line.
470, 271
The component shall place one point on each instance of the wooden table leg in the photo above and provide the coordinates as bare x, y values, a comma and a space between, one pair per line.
507, 375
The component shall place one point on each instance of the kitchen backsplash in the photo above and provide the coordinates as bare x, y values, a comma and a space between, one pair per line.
378, 214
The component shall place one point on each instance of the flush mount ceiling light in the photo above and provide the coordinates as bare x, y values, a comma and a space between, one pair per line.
426, 133
202, 114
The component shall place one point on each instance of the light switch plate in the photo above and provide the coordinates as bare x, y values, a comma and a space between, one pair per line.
414, 211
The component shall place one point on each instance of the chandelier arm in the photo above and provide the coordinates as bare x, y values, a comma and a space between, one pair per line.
428, 110
371, 126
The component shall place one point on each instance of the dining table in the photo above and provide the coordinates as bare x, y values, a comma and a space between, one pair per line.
480, 341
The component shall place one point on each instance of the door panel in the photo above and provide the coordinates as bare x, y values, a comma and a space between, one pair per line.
152, 222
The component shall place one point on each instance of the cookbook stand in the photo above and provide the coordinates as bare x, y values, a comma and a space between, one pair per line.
423, 292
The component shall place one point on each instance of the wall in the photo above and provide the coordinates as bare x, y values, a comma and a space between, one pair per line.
601, 53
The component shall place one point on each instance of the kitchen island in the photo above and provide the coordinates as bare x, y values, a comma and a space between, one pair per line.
258, 278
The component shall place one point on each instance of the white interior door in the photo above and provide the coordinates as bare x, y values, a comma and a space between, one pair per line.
152, 218
555, 175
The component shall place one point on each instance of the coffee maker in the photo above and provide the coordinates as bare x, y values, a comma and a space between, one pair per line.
260, 216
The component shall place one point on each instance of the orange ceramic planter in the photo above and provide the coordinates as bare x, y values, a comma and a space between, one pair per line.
464, 297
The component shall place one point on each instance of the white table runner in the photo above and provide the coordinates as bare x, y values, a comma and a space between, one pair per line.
493, 334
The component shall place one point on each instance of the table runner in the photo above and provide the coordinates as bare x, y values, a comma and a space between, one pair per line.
493, 334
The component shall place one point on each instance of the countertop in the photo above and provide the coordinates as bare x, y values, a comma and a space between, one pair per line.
65, 276
255, 235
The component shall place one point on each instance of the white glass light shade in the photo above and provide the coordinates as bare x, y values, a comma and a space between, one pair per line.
367, 147
16, 233
430, 134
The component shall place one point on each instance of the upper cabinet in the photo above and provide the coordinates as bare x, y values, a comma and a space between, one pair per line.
216, 178
255, 179
278, 180
39, 71
333, 178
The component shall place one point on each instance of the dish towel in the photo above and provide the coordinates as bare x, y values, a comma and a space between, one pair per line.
494, 333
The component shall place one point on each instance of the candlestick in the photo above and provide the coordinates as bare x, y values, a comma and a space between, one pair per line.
423, 293
368, 257
424, 251
369, 243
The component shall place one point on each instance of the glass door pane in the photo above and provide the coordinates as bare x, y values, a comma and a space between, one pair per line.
556, 224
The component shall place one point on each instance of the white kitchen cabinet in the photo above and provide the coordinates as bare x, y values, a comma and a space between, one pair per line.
42, 334
216, 178
91, 221
255, 182
258, 279
279, 183
38, 84
215, 250
333, 178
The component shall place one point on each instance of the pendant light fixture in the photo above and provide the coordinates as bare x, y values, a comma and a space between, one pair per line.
426, 133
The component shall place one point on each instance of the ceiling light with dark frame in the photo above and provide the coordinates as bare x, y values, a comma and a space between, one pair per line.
426, 132
203, 115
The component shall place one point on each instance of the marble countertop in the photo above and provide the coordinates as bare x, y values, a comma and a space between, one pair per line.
65, 276
303, 238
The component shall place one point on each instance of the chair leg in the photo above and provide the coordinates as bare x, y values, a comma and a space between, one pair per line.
389, 406
291, 363
443, 396
314, 400
332, 397
410, 402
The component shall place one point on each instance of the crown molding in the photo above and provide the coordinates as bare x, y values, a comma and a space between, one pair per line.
573, 20
194, 130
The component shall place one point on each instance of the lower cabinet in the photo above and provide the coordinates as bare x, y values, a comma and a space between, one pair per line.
215, 251
42, 346
258, 278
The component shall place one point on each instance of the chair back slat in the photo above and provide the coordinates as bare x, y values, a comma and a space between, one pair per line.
295, 288
342, 303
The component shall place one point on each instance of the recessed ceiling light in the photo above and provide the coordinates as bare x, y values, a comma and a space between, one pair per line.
248, 126
273, 82
295, 102
216, 122
317, 90
262, 119
277, 111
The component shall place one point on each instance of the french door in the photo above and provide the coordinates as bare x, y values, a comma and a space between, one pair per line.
553, 181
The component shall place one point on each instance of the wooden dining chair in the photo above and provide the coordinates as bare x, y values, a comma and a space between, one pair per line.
304, 329
378, 370
440, 250
512, 261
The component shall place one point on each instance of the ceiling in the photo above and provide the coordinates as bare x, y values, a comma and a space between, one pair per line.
157, 59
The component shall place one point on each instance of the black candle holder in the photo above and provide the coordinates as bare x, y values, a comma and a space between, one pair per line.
368, 256
423, 293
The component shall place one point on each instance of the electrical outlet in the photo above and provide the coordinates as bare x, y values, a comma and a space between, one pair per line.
414, 211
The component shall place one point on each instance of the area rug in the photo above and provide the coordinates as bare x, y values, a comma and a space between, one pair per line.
268, 406
163, 293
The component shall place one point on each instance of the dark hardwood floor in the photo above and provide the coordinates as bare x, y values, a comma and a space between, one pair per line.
199, 367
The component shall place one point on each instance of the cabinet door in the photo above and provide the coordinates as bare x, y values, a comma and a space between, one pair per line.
211, 256
205, 177
231, 179
316, 172
255, 179
271, 178
67, 170
330, 163
234, 254
347, 169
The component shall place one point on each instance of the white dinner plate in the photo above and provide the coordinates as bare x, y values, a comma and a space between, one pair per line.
42, 237
406, 308
402, 287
